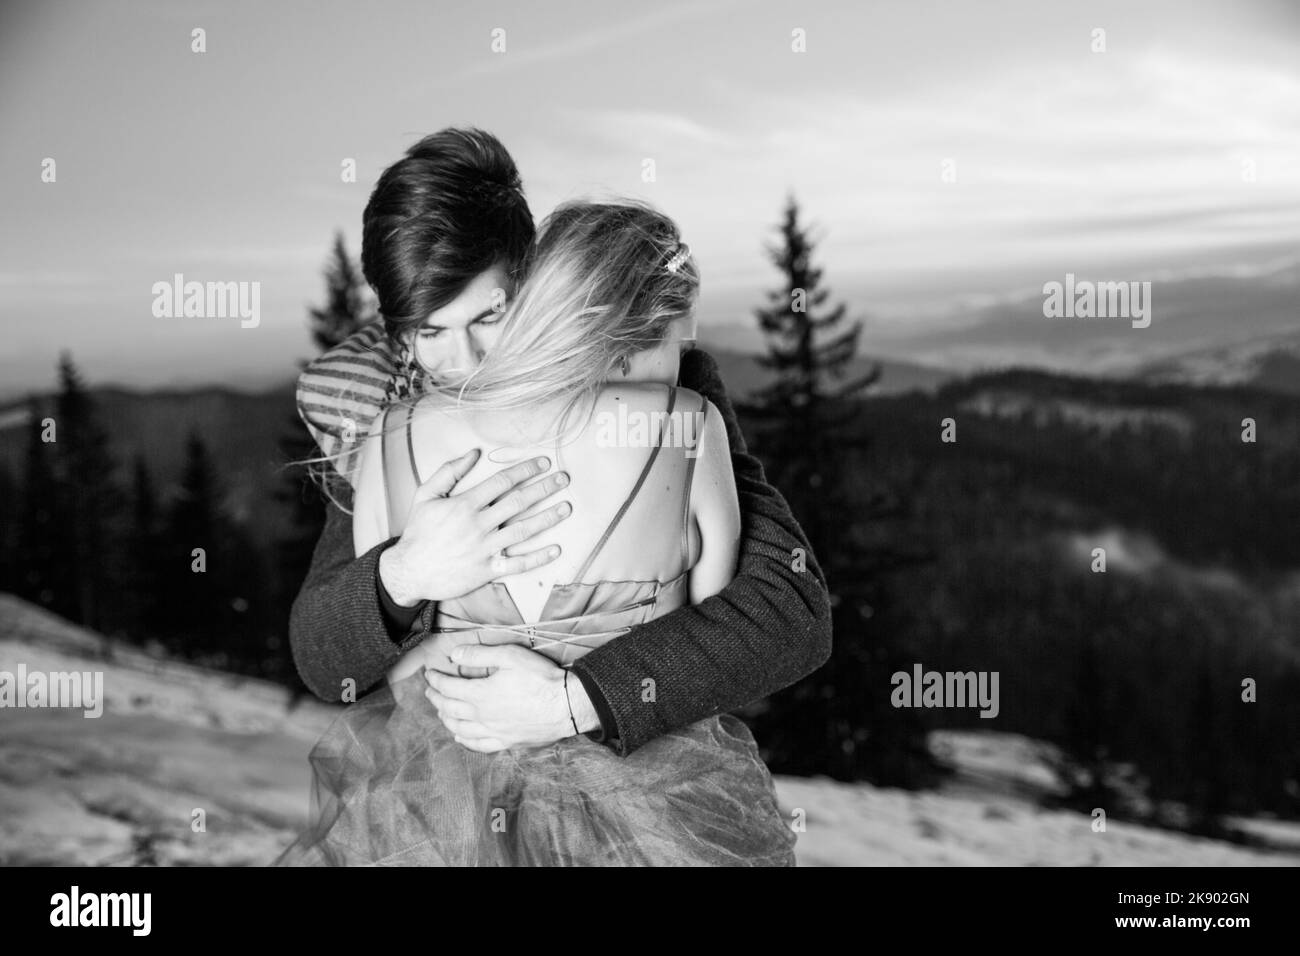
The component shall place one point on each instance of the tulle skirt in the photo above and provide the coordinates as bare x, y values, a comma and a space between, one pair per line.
391, 787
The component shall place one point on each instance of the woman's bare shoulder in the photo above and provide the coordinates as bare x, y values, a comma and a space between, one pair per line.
649, 396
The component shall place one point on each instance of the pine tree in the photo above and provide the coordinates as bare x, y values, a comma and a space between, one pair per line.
1087, 768
838, 721
805, 413
250, 640
9, 503
809, 350
90, 503
1208, 741
191, 598
347, 304
145, 578
40, 531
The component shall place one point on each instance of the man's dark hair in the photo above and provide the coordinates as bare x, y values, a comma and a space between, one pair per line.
451, 208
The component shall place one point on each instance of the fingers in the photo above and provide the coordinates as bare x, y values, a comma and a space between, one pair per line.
464, 729
470, 734
453, 688
490, 489
448, 475
498, 655
502, 565
456, 670
449, 709
521, 499
524, 530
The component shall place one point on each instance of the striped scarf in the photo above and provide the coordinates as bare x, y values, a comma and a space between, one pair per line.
342, 391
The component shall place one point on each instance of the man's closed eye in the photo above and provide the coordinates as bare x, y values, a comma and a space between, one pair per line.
489, 318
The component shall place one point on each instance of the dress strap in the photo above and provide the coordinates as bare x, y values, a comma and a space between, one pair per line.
410, 447
692, 454
627, 502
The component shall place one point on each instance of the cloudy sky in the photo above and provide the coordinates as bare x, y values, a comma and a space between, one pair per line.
1173, 154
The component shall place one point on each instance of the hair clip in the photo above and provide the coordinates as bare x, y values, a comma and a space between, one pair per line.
679, 257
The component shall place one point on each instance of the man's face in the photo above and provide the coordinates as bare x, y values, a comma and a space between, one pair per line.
453, 339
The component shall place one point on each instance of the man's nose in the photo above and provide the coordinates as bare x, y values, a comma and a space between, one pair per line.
465, 356
473, 351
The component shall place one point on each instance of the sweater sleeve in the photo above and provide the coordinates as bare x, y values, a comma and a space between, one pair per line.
344, 624
337, 626
767, 629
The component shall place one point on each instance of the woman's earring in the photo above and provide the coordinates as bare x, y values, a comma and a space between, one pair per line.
624, 364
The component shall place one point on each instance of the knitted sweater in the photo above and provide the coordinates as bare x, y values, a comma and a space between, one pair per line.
767, 629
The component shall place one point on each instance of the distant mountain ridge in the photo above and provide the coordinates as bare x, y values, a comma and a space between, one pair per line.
744, 374
1269, 362
243, 430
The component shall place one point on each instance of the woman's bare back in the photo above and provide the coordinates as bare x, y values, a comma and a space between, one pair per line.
603, 454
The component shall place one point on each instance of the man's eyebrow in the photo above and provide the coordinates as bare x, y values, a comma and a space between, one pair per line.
486, 312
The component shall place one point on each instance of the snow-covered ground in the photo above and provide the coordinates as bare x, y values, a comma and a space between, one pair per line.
174, 739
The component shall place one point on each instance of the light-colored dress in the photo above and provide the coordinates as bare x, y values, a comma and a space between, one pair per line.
392, 787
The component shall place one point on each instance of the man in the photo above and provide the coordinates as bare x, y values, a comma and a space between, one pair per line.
446, 233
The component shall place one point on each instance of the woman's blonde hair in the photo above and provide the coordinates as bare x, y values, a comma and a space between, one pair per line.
607, 280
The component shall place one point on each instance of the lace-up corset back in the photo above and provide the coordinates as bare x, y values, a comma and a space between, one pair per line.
602, 602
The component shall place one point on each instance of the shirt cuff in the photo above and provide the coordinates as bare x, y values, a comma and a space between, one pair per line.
398, 618
608, 732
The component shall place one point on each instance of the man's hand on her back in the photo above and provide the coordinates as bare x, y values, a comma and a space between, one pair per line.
456, 541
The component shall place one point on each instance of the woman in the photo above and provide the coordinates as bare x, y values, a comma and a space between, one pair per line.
590, 344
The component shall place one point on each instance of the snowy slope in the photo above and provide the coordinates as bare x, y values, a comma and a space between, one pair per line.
122, 789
